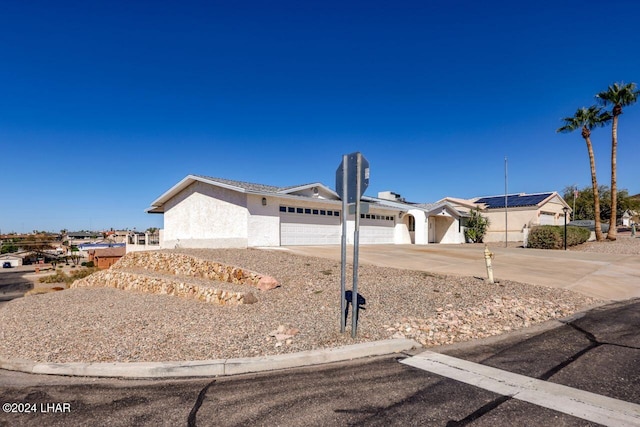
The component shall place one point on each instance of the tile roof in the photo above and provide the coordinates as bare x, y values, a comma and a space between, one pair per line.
246, 185
110, 252
513, 200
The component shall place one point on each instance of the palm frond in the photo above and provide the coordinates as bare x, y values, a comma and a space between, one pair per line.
585, 117
620, 94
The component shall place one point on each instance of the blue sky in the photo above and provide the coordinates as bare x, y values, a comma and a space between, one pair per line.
106, 105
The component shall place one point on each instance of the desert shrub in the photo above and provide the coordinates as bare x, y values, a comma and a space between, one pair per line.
79, 274
552, 236
59, 277
476, 227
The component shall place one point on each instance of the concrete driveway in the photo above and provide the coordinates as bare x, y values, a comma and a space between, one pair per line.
604, 276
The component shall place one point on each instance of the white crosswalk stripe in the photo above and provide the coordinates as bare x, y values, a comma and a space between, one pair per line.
583, 404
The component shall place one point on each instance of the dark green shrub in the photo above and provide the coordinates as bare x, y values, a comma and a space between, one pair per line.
88, 264
577, 235
552, 236
545, 237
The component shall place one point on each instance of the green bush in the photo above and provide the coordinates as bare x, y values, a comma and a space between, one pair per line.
577, 235
552, 236
88, 264
476, 227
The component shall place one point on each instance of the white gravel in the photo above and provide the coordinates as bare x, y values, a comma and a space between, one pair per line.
108, 325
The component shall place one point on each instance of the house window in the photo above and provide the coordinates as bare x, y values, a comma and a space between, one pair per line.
283, 208
315, 211
323, 212
307, 211
291, 210
299, 210
336, 213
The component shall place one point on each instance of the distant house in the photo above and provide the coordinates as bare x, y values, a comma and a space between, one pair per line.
510, 216
83, 235
16, 258
105, 258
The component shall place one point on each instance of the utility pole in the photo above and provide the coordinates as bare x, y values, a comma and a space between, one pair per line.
506, 209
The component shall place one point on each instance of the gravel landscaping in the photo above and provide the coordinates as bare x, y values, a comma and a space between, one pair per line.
110, 325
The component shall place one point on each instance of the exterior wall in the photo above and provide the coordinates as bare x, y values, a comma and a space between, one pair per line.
136, 246
104, 262
206, 216
519, 218
421, 234
401, 234
263, 221
448, 230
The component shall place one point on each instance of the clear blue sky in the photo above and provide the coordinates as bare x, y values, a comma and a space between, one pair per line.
106, 105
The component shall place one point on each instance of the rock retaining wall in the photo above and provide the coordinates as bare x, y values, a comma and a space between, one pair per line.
153, 285
126, 275
186, 265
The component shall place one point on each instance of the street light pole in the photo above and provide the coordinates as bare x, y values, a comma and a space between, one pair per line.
565, 210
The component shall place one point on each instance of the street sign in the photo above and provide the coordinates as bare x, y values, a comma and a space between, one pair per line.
350, 164
364, 208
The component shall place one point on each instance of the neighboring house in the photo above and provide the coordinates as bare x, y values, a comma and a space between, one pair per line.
206, 212
85, 248
521, 211
105, 258
630, 217
15, 258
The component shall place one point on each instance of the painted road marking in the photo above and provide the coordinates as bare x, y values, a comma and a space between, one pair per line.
583, 404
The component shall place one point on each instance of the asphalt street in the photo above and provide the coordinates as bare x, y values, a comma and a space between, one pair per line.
598, 352
13, 283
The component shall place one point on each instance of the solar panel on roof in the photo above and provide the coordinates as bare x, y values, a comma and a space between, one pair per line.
513, 200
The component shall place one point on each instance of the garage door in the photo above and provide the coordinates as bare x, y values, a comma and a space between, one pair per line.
547, 219
376, 229
309, 229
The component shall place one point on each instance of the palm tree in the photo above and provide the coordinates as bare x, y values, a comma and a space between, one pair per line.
619, 95
586, 119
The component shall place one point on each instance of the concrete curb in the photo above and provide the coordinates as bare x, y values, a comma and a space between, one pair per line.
216, 367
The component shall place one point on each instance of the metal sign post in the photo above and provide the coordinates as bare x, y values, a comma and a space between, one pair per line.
343, 253
356, 243
352, 179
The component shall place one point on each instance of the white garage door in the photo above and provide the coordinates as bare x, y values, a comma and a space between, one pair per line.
376, 229
547, 219
309, 229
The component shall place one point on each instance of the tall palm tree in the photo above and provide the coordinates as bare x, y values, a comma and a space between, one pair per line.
619, 95
587, 119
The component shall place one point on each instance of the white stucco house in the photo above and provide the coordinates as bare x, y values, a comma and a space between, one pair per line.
523, 211
205, 212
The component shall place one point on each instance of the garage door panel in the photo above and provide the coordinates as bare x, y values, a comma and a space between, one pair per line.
376, 234
546, 219
309, 230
